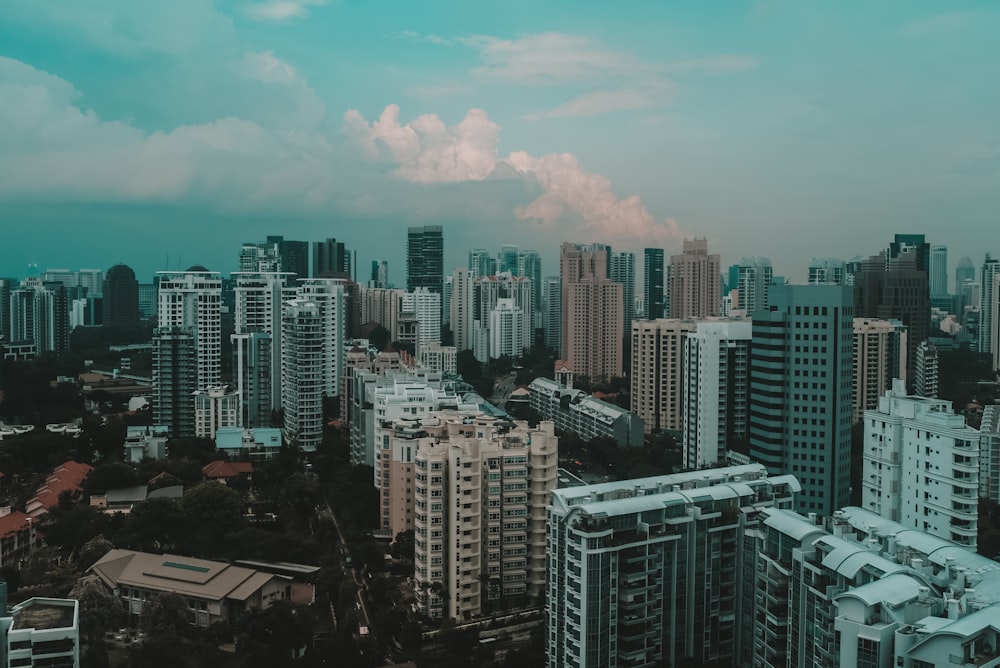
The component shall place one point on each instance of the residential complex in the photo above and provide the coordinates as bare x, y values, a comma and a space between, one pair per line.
879, 356
989, 453
921, 466
657, 376
584, 415
481, 490
592, 313
695, 284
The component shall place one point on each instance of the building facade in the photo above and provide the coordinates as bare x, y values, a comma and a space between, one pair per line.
921, 466
652, 283
588, 417
592, 313
695, 283
715, 391
801, 391
425, 258
657, 377
214, 408
879, 356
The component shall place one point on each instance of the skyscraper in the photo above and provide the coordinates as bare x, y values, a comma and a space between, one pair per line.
827, 271
715, 391
529, 265
592, 313
965, 271
657, 378
258, 299
753, 280
330, 257
621, 269
39, 315
894, 285
380, 274
939, 271
695, 283
187, 344
294, 257
121, 296
880, 349
482, 263
507, 259
988, 306
426, 306
552, 321
303, 367
801, 390
460, 316
260, 256
652, 283
425, 258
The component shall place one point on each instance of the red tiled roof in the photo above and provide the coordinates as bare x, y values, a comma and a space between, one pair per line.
12, 523
222, 469
67, 477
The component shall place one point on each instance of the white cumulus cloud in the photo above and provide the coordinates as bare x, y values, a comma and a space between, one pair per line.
426, 150
281, 10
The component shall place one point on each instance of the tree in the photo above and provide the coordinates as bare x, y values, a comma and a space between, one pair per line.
212, 510
153, 525
166, 613
274, 635
93, 550
100, 609
116, 475
402, 547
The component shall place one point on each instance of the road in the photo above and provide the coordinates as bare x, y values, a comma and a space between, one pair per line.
502, 389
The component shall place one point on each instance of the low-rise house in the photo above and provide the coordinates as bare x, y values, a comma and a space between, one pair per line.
214, 591
66, 478
124, 499
260, 444
17, 537
225, 472
146, 442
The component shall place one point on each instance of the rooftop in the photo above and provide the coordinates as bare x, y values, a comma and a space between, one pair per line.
45, 613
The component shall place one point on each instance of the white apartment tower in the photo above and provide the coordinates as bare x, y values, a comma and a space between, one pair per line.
426, 306
921, 466
258, 300
988, 306
193, 299
754, 281
506, 330
714, 390
460, 308
214, 408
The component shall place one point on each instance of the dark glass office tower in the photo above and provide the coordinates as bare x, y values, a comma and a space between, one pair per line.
425, 258
652, 283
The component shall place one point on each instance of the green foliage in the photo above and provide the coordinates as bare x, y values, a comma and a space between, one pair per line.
212, 512
153, 525
115, 475
166, 613
70, 526
272, 636
201, 450
93, 550
100, 609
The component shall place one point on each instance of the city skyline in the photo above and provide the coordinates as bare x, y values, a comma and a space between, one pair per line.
772, 129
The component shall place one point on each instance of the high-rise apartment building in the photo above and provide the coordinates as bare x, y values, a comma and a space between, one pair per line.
529, 265
652, 283
257, 305
39, 316
552, 313
921, 466
120, 301
895, 285
987, 303
507, 330
328, 293
695, 282
260, 256
193, 299
381, 305
621, 269
91, 279
482, 262
481, 492
460, 307
592, 313
487, 291
215, 408
330, 258
175, 379
753, 280
939, 271
879, 357
801, 391
989, 453
507, 259
965, 271
715, 391
647, 572
302, 371
826, 271
380, 274
925, 371
425, 258
426, 306
657, 377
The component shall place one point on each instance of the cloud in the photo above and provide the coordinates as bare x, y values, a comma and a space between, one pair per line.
427, 151
603, 102
430, 38
720, 64
549, 58
281, 10
939, 24
267, 68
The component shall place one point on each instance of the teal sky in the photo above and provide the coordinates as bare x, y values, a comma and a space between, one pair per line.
138, 131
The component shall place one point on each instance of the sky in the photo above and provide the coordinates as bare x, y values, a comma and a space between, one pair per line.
166, 134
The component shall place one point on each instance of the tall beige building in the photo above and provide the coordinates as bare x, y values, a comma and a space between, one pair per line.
879, 356
658, 373
592, 313
481, 488
695, 282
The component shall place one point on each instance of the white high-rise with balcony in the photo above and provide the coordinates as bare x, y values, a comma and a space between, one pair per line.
193, 299
921, 466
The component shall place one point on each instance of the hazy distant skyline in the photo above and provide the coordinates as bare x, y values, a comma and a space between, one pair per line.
135, 131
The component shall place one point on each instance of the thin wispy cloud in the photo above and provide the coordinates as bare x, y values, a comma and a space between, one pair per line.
601, 102
278, 11
940, 24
